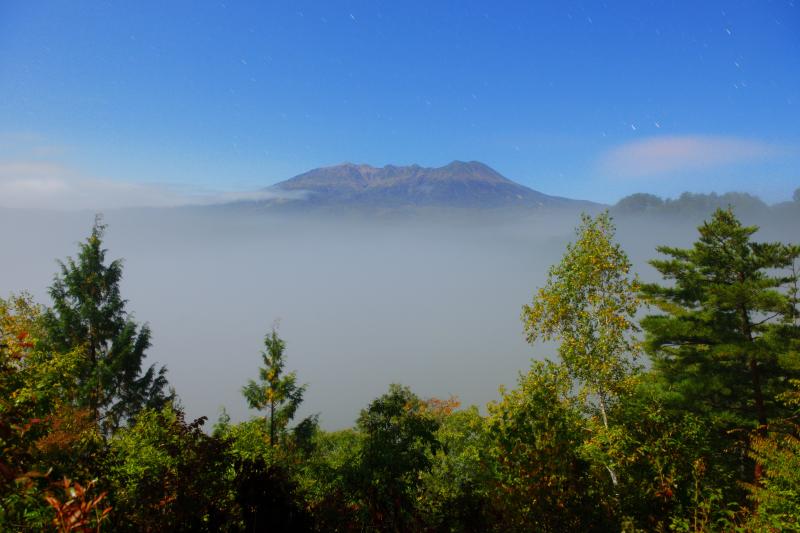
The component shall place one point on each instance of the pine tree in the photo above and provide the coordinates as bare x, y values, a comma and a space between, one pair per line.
276, 392
727, 336
89, 312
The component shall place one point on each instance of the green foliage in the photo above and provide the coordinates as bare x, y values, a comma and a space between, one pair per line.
639, 202
166, 474
330, 478
689, 204
588, 304
89, 313
399, 434
42, 438
777, 497
665, 458
542, 482
727, 335
247, 441
275, 392
677, 438
455, 493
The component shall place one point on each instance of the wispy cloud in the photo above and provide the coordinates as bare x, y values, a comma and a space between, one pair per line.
49, 185
675, 154
33, 175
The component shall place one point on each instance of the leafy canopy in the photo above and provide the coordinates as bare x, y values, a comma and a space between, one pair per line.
588, 304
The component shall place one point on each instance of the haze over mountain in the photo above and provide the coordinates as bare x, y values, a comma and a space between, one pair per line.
458, 184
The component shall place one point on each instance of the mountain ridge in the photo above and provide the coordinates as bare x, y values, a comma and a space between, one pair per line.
457, 184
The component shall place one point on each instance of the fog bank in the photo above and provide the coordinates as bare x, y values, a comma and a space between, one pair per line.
432, 302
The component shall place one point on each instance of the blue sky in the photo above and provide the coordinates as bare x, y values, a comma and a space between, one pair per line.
153, 100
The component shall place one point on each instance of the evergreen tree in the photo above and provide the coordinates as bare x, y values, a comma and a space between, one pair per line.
277, 393
89, 313
727, 336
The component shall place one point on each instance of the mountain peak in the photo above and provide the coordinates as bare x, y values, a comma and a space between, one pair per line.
457, 184
456, 164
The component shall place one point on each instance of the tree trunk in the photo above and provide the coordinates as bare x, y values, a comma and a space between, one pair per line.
761, 413
758, 395
605, 423
271, 423
94, 394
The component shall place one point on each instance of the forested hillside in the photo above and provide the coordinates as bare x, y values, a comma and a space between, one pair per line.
668, 406
698, 204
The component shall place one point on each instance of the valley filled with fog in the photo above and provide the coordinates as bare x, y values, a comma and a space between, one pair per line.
362, 301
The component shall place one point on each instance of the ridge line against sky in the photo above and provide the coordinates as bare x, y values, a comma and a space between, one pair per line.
107, 103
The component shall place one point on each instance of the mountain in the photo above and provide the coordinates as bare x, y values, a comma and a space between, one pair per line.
459, 184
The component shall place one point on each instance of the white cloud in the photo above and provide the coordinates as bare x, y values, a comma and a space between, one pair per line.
666, 155
48, 185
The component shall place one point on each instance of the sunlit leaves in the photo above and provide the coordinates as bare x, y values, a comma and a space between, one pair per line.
536, 432
589, 304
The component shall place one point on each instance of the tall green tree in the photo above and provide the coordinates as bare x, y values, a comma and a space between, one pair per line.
726, 337
276, 392
89, 312
589, 304
399, 437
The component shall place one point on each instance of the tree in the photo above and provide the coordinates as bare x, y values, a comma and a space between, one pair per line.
276, 392
661, 456
778, 496
89, 312
588, 304
43, 436
455, 492
542, 482
796, 195
724, 337
166, 474
330, 481
639, 203
399, 436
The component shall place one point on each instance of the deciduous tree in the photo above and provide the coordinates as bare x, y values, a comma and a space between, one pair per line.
589, 304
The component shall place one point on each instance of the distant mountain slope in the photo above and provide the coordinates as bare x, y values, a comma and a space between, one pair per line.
459, 184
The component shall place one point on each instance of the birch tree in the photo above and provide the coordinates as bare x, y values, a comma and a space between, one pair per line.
588, 305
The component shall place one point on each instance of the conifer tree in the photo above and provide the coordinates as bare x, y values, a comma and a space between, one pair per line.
276, 393
89, 312
727, 337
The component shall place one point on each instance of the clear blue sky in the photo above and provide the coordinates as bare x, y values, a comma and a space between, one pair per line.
591, 99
